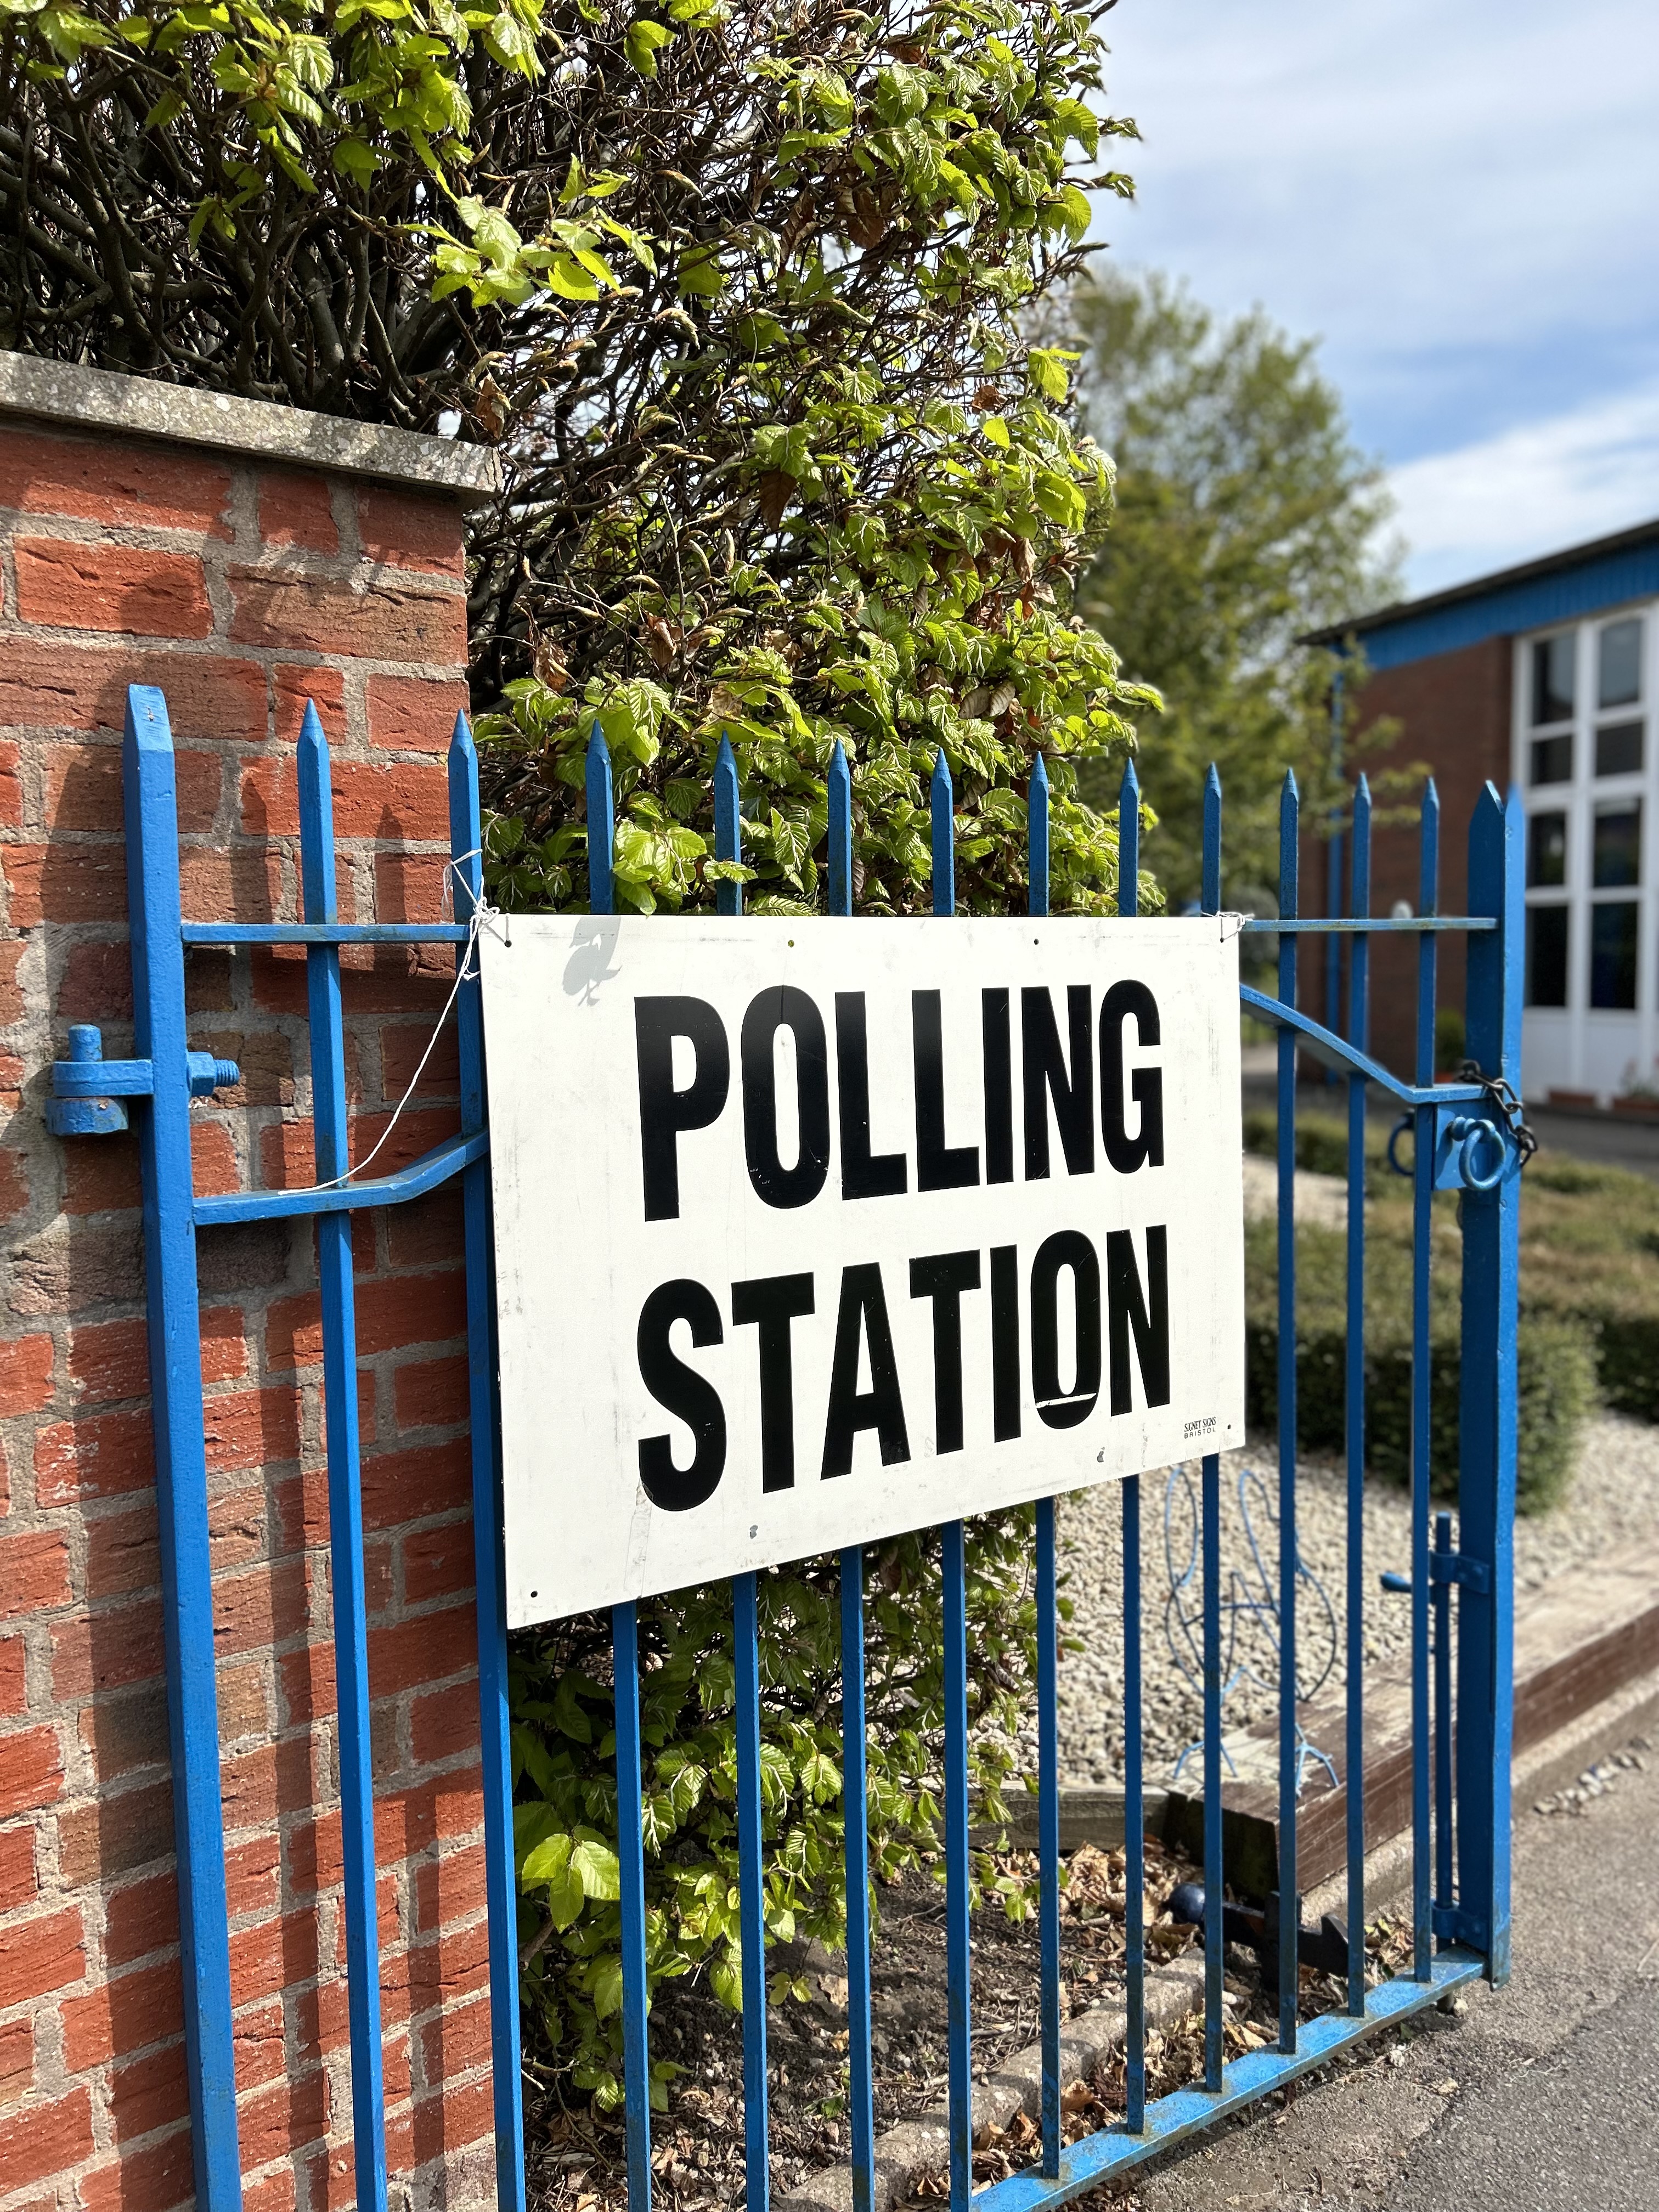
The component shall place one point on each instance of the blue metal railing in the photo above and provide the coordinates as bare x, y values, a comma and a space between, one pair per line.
1461, 1792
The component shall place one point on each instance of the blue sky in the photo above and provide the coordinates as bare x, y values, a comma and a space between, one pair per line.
1461, 199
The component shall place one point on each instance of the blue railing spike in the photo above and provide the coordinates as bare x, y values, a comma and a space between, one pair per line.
943, 807
839, 797
1036, 839
728, 825
1211, 896
601, 826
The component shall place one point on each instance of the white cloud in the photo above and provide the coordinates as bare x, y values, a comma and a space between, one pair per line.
1458, 198
1531, 490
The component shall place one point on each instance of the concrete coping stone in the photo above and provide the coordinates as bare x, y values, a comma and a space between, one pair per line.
64, 393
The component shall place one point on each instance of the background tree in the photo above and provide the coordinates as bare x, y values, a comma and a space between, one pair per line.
1244, 517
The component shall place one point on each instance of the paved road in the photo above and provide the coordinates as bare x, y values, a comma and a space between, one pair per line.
1541, 2095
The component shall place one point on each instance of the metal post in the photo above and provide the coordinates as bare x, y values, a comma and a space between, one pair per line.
149, 795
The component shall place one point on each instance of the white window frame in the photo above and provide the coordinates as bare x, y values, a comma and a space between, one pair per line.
1573, 1047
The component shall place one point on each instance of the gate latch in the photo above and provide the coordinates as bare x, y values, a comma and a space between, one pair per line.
1459, 1567
88, 1090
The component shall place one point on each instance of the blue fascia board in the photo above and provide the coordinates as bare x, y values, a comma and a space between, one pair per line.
1564, 595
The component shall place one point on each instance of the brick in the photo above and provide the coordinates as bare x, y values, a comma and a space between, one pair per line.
153, 2178
11, 1083
396, 1311
128, 2012
305, 1682
48, 685
273, 1956
214, 1165
142, 1916
251, 1428
253, 1875
390, 620
123, 1553
287, 1149
30, 1770
126, 1730
296, 510
450, 1888
296, 688
276, 2191
13, 1696
149, 2094
34, 1572
83, 789
110, 1360
25, 1376
11, 789
266, 1060
402, 1045
39, 2140
429, 1230
102, 1178
244, 1703
443, 2124
65, 883
411, 530
71, 1266
316, 1859
438, 1563
232, 886
258, 1786
137, 591
17, 2061
283, 2119
397, 982
408, 1821
41, 1954
120, 1832
97, 984
424, 1650
404, 801
414, 713
239, 1531
449, 1966
293, 1330
97, 1455
401, 1487
431, 1394
241, 1256
456, 2041
264, 1607
113, 480
444, 1725
107, 1648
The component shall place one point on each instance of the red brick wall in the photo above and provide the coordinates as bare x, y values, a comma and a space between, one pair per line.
240, 590
1455, 709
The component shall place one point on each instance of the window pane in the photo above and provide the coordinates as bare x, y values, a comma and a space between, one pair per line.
1552, 759
1617, 849
1612, 955
1618, 749
1618, 664
1546, 956
1552, 678
1547, 855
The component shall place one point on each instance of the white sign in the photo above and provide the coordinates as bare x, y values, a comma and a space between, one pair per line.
811, 1232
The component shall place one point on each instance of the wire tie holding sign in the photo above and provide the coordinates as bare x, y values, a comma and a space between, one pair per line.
484, 918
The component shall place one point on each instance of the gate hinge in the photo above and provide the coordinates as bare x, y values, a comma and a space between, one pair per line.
1459, 1567
87, 1089
1456, 1923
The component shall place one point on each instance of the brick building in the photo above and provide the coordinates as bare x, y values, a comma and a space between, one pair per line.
1543, 676
243, 557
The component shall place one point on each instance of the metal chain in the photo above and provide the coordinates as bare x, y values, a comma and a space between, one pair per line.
1503, 1096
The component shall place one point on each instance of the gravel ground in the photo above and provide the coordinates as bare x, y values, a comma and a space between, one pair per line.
1615, 1499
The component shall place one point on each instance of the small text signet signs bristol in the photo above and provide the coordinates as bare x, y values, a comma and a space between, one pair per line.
809, 1233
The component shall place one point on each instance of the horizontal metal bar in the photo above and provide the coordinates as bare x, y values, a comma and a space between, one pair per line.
422, 1175
1339, 1053
1370, 926
1086, 2165
102, 1078
325, 933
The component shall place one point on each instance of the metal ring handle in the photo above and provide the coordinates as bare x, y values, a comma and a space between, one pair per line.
1472, 1132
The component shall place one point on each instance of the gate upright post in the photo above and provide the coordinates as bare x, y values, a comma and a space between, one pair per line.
171, 1306
1486, 1409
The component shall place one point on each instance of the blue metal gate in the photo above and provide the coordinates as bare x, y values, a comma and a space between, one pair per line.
1466, 1138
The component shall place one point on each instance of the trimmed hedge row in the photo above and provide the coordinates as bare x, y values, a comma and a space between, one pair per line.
1556, 1356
